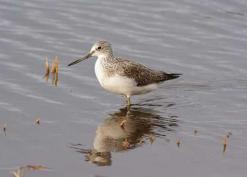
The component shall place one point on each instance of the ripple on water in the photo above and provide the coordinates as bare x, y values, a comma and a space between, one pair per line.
204, 40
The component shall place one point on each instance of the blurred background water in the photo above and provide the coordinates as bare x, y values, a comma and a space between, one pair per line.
204, 40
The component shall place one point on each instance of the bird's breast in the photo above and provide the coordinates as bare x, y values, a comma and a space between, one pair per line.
100, 72
113, 82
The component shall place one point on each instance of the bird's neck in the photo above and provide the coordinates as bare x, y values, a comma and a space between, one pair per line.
106, 58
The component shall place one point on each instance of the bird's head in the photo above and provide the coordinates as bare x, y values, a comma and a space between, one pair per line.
99, 49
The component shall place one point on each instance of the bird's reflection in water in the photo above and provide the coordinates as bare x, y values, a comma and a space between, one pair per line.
125, 130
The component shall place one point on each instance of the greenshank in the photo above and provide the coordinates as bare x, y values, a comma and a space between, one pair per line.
122, 76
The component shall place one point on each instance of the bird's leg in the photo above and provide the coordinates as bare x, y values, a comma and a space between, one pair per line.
125, 99
128, 102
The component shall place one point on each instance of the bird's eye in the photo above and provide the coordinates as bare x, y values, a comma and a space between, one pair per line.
99, 48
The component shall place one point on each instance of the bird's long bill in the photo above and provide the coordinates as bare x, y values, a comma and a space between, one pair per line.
80, 59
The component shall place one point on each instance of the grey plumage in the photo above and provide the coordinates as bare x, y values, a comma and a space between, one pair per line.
140, 73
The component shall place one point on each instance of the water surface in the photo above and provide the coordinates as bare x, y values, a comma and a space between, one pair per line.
204, 40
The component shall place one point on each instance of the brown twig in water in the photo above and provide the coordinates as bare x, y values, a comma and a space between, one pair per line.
20, 172
54, 71
178, 143
225, 144
226, 141
47, 70
5, 129
37, 121
36, 167
229, 134
195, 132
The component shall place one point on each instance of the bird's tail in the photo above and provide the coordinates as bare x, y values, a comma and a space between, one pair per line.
172, 76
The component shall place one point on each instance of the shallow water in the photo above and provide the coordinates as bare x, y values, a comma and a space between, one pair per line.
204, 40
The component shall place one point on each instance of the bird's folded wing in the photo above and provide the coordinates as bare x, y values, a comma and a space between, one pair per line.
141, 74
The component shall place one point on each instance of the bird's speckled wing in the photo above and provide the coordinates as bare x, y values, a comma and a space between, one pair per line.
140, 73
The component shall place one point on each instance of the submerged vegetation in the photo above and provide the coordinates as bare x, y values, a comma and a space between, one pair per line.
53, 70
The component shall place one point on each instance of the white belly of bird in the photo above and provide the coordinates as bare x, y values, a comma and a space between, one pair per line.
120, 84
